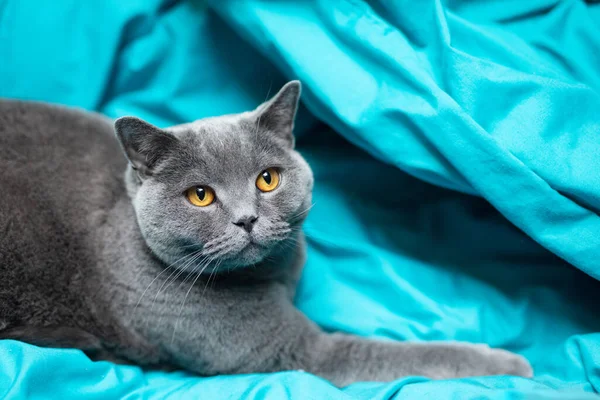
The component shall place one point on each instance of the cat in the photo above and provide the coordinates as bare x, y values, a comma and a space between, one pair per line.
179, 248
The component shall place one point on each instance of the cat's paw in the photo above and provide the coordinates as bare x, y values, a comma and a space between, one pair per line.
502, 362
463, 360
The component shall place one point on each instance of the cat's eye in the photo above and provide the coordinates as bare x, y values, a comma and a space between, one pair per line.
200, 196
268, 180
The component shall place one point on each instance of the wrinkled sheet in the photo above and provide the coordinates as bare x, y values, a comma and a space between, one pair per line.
455, 149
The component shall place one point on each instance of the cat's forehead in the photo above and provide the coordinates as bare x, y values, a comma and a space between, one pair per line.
225, 134
209, 127
226, 145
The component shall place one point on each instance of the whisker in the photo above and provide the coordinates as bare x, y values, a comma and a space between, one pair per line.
216, 248
190, 245
157, 293
304, 211
187, 293
148, 287
216, 253
216, 272
316, 235
179, 271
216, 241
157, 276
200, 264
209, 276
182, 270
285, 245
322, 240
196, 267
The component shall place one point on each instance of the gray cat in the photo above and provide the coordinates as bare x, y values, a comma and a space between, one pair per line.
188, 260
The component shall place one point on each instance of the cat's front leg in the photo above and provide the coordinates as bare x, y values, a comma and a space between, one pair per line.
267, 333
344, 359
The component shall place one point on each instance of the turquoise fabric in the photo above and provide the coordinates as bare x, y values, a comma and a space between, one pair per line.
455, 149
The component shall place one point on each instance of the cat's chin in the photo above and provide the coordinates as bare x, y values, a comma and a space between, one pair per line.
251, 254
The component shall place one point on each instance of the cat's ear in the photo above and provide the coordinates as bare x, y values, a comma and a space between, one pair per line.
144, 144
277, 115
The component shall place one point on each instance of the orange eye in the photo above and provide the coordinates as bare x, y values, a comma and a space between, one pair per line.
200, 196
268, 180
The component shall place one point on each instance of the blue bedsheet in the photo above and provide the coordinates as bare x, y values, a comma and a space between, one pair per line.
456, 152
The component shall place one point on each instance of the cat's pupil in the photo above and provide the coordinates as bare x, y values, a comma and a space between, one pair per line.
267, 177
200, 192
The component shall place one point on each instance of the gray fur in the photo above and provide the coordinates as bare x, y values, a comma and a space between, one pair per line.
125, 268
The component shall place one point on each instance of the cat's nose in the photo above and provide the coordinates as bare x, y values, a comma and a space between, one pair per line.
246, 222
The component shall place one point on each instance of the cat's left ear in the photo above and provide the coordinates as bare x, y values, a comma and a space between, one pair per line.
144, 144
277, 115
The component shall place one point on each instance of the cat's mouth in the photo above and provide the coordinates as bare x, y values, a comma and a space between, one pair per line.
245, 253
245, 248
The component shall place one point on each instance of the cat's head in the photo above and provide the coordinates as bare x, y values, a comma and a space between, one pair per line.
226, 191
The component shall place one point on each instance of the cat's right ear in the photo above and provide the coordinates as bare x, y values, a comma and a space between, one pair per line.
144, 144
277, 115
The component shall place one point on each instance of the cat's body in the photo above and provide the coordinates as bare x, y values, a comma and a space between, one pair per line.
62, 191
110, 265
